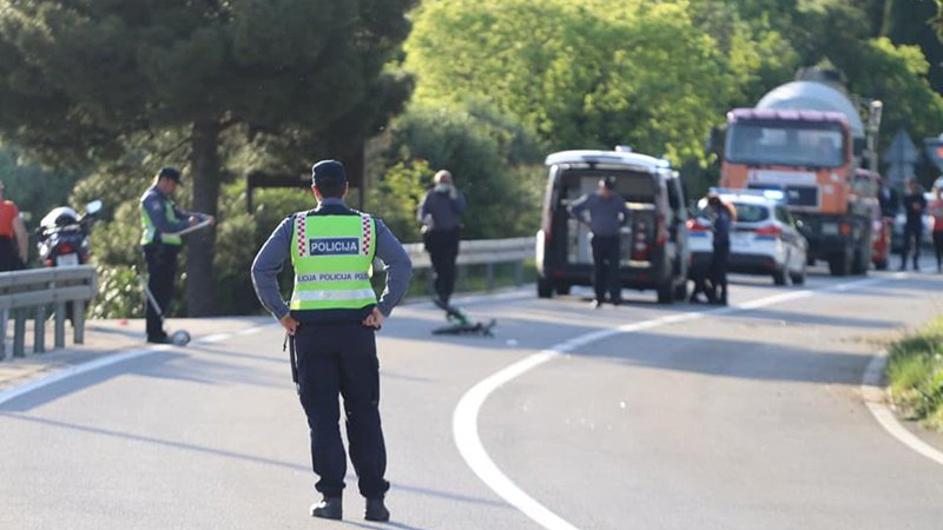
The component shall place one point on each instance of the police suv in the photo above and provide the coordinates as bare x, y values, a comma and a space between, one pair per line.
764, 238
654, 241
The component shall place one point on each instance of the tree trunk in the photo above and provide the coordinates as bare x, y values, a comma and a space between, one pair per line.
206, 173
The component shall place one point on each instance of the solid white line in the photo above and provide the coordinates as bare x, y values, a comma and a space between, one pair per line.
108, 360
874, 398
465, 416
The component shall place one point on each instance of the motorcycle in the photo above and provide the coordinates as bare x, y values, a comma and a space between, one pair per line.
63, 235
63, 240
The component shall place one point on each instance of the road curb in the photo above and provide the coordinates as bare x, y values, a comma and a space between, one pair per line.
875, 398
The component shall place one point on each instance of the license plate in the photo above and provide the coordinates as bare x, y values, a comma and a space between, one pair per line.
740, 239
830, 229
67, 260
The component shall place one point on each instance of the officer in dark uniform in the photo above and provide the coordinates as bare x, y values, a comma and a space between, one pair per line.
607, 214
162, 224
332, 319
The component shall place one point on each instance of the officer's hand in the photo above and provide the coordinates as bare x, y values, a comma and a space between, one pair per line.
289, 323
374, 319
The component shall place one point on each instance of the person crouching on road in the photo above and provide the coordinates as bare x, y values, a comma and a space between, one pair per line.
332, 321
607, 213
441, 216
163, 223
723, 216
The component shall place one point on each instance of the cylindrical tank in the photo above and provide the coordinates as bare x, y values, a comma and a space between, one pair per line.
814, 95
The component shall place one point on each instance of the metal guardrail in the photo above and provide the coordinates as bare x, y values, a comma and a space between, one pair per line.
29, 294
488, 252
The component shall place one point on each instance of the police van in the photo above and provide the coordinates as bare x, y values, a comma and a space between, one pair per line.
654, 246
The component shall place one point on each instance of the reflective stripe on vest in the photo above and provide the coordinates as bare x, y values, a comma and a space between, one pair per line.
150, 231
333, 258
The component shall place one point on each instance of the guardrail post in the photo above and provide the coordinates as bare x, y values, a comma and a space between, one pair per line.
19, 333
60, 325
39, 330
489, 274
78, 321
4, 319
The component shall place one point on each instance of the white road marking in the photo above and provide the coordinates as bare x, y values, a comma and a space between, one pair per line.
872, 389
465, 416
107, 360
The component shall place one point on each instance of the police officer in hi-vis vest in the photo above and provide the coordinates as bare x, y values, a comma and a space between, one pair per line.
332, 319
163, 223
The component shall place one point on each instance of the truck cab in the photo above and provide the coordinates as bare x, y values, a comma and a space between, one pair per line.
809, 156
654, 245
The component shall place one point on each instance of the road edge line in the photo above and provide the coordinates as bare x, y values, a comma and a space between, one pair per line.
105, 361
875, 398
465, 416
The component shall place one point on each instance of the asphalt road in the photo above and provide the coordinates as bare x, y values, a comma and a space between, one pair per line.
750, 418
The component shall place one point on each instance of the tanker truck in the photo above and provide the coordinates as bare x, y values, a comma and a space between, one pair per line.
807, 139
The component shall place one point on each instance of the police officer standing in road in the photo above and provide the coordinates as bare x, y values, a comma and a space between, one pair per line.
163, 224
440, 214
332, 319
607, 214
723, 216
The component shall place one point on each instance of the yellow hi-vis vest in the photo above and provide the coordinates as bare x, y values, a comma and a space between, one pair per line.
333, 260
150, 231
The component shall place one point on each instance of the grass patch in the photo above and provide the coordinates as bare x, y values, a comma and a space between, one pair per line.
915, 372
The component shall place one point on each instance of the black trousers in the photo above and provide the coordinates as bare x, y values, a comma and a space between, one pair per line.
341, 360
718, 273
162, 271
912, 232
442, 246
9, 257
606, 254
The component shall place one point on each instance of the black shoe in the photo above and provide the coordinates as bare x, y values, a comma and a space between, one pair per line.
159, 340
328, 508
902, 268
376, 511
617, 301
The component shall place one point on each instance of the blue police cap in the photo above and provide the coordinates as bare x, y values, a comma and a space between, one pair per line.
327, 173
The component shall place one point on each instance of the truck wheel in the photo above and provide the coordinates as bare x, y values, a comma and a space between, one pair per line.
665, 292
860, 263
839, 265
681, 291
779, 277
562, 289
544, 288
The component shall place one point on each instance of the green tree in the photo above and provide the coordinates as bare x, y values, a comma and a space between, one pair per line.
86, 80
593, 73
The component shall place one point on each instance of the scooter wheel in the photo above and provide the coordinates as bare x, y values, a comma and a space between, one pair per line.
180, 338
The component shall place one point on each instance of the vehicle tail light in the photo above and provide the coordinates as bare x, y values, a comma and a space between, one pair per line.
640, 247
66, 248
49, 263
845, 229
769, 230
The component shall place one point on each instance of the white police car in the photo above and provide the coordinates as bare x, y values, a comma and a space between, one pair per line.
764, 239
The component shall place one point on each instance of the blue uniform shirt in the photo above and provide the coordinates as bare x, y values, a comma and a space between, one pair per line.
273, 254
